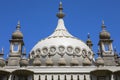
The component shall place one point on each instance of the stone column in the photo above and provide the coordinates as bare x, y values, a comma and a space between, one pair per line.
9, 78
88, 77
112, 78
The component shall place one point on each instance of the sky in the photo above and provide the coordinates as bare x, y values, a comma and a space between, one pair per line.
38, 20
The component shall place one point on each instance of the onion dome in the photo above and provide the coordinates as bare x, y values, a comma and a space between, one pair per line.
60, 43
37, 61
17, 34
104, 34
74, 62
99, 60
24, 61
49, 61
2, 61
86, 61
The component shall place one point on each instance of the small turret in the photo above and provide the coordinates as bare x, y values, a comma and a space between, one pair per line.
89, 42
24, 61
99, 60
60, 14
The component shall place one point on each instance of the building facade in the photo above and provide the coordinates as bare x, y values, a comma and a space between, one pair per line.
60, 56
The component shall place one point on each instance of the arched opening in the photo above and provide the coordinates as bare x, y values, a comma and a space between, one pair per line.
117, 75
4, 75
101, 74
22, 74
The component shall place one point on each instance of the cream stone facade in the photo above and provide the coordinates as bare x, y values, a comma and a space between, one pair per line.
61, 56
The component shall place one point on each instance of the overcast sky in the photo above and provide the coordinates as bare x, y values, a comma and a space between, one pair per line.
38, 20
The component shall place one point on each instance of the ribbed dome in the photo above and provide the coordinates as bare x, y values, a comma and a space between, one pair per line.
61, 43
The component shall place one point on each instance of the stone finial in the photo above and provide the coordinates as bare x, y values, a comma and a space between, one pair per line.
103, 25
60, 14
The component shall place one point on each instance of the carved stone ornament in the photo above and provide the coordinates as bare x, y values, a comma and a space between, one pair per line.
77, 51
52, 50
44, 51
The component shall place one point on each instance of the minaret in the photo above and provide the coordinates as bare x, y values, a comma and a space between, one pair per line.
106, 48
16, 44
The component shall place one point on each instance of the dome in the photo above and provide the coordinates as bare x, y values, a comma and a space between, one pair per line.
23, 62
100, 61
2, 62
61, 43
104, 35
17, 35
61, 46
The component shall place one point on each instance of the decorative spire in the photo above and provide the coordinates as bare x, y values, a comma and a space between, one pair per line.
18, 26
89, 42
60, 14
24, 53
60, 30
2, 53
115, 49
103, 25
88, 35
2, 50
